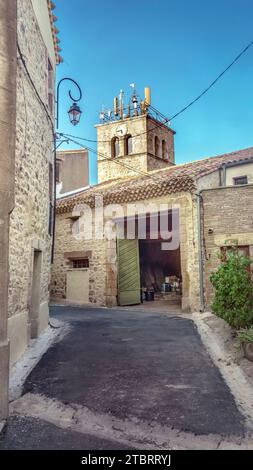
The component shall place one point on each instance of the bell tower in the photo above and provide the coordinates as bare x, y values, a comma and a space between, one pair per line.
133, 139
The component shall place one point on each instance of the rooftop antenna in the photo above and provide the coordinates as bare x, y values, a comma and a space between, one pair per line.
102, 113
116, 106
121, 98
132, 85
134, 99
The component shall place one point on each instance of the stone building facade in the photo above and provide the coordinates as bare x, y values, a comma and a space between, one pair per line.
30, 222
8, 72
227, 220
101, 283
29, 42
177, 186
151, 148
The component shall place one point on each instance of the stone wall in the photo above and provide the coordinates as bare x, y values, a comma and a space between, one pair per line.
29, 223
8, 72
155, 129
103, 253
142, 158
228, 215
68, 247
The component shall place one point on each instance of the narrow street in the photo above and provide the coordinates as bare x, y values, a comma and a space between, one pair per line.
124, 379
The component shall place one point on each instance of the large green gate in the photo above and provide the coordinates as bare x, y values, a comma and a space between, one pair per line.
129, 287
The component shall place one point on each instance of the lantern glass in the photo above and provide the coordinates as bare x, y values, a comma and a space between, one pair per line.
74, 114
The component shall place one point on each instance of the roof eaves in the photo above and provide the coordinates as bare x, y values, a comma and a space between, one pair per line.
55, 32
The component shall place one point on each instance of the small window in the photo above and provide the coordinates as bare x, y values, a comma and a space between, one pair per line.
164, 150
157, 145
115, 147
240, 180
128, 145
81, 263
242, 250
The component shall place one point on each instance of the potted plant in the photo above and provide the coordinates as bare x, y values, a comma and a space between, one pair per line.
245, 337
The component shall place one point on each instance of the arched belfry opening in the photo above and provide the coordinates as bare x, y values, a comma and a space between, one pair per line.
157, 146
115, 148
128, 145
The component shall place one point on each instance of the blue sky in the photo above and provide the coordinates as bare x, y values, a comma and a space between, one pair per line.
175, 47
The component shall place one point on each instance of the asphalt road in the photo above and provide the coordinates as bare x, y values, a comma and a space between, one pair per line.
148, 367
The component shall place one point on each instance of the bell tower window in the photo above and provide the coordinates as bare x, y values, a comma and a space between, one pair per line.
128, 145
115, 147
157, 145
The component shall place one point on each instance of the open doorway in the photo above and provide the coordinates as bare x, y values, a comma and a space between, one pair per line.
160, 273
149, 264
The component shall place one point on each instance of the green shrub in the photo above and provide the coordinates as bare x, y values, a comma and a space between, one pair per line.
233, 286
245, 335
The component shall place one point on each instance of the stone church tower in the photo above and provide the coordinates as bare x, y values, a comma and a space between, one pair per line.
133, 140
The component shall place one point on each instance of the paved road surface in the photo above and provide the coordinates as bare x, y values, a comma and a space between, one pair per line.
148, 368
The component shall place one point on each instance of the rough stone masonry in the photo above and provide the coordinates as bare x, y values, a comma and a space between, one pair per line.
7, 156
30, 240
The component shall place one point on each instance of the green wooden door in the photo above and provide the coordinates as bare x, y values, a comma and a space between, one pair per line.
128, 272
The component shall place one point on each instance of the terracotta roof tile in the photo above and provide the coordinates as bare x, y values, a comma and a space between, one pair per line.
55, 31
176, 178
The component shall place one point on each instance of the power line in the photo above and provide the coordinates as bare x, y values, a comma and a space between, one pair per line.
185, 107
214, 81
114, 160
34, 87
117, 162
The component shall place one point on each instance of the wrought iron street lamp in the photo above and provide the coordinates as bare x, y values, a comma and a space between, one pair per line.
74, 114
74, 111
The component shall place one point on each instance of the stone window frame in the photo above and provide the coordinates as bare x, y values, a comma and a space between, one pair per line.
81, 263
128, 144
242, 248
115, 147
237, 180
156, 146
164, 150
73, 258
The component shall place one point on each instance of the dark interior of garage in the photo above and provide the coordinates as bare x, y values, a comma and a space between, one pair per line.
157, 266
160, 268
159, 258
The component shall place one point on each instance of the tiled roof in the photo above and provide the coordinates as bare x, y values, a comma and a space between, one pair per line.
170, 180
199, 168
55, 31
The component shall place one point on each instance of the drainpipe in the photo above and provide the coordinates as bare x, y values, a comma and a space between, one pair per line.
8, 58
54, 201
200, 249
224, 168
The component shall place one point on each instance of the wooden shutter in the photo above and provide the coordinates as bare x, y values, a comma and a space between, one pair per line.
128, 272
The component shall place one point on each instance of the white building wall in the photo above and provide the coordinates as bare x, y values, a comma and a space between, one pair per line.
239, 170
41, 12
